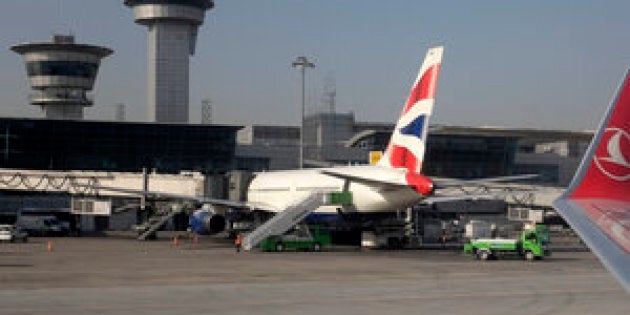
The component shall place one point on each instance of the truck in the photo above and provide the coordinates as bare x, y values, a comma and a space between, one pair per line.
532, 244
300, 238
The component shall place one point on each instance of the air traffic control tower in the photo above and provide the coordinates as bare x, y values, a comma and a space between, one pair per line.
60, 74
173, 28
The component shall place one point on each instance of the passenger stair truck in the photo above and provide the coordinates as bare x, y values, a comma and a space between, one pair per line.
533, 243
290, 217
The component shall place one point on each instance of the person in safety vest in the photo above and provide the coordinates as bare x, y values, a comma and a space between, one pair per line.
238, 242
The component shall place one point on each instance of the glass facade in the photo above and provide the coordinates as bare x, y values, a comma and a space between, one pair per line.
203, 4
547, 173
62, 68
469, 156
115, 146
459, 156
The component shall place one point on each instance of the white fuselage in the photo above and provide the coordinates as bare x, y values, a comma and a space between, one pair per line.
275, 191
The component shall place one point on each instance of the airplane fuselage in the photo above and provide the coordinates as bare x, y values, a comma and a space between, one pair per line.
275, 191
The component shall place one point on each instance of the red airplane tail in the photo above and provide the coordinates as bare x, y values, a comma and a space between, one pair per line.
597, 202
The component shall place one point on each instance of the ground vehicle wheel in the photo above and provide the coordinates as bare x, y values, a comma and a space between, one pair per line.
484, 255
529, 255
317, 247
279, 247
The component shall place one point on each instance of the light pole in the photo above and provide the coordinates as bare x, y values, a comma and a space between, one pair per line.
302, 63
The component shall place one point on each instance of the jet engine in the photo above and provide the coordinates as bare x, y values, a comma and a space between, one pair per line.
205, 221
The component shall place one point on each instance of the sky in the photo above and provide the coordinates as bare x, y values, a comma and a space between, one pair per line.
544, 64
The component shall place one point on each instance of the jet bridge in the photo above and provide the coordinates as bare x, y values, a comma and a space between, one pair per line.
87, 182
83, 186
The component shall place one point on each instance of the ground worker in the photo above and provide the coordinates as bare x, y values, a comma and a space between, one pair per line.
238, 242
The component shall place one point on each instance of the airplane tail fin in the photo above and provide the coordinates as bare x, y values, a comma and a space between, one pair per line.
597, 202
407, 144
605, 169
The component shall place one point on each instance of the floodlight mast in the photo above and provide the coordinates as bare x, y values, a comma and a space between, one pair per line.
301, 63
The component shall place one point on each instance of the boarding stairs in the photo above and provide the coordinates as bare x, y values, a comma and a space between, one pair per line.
156, 221
284, 220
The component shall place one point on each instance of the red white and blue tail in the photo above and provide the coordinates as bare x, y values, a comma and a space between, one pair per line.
407, 144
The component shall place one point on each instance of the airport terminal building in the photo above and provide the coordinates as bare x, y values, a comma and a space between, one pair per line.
330, 139
216, 151
114, 148
41, 144
452, 151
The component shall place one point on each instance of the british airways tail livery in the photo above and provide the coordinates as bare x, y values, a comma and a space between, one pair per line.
597, 202
407, 145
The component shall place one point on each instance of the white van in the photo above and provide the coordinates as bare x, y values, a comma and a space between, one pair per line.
12, 233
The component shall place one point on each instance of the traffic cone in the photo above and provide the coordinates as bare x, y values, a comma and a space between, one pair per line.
176, 240
49, 246
195, 241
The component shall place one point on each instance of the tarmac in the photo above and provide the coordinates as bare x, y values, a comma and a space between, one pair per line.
116, 275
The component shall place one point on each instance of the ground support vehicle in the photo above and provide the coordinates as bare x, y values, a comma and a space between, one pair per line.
532, 244
47, 225
385, 233
301, 238
12, 233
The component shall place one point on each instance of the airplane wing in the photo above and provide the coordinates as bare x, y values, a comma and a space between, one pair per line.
378, 181
597, 202
380, 178
155, 194
447, 183
473, 197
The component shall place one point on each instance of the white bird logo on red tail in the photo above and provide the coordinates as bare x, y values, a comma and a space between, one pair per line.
615, 165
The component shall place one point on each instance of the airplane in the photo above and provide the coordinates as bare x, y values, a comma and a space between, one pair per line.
395, 183
378, 191
597, 202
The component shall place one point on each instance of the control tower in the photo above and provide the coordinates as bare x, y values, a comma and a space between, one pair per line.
60, 74
173, 28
